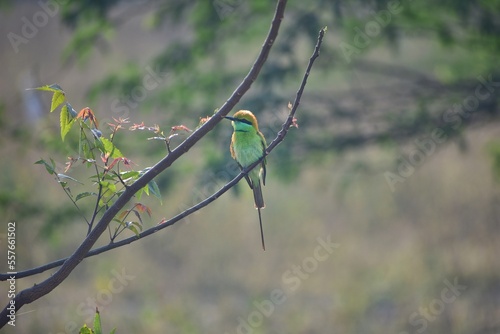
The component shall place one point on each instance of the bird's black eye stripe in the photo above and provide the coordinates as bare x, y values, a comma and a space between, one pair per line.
244, 121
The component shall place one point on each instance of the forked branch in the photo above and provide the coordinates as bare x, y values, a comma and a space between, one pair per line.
31, 294
83, 251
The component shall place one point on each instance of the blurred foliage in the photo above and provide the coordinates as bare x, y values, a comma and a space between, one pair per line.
377, 103
205, 63
494, 152
396, 249
381, 103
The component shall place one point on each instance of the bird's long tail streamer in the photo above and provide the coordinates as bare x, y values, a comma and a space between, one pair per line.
261, 230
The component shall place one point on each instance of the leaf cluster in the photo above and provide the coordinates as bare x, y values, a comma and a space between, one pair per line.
112, 171
203, 64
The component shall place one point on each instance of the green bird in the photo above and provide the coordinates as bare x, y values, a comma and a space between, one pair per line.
247, 146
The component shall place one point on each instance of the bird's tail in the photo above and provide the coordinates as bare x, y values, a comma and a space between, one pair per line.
261, 231
257, 195
259, 204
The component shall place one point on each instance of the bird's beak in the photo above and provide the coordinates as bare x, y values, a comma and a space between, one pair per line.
230, 118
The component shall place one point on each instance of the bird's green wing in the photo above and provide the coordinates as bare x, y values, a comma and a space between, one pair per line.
264, 162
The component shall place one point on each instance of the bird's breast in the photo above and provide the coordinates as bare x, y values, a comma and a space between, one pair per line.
247, 150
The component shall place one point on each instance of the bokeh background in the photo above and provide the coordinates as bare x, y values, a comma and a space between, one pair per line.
382, 207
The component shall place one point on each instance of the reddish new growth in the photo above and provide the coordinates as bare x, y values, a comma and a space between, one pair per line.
70, 163
87, 113
126, 162
119, 123
155, 128
177, 128
180, 128
203, 120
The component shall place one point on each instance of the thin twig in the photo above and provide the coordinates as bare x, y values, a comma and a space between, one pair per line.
73, 201
286, 126
39, 290
279, 138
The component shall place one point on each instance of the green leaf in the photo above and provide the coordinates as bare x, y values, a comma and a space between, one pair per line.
86, 150
49, 88
108, 186
113, 331
109, 177
139, 193
153, 188
64, 176
138, 215
97, 322
146, 189
120, 219
83, 195
138, 225
58, 96
57, 100
129, 174
86, 330
110, 148
65, 120
100, 145
133, 229
49, 168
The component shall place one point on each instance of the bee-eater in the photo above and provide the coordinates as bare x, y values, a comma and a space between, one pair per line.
247, 146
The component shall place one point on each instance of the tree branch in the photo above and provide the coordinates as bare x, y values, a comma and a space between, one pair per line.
289, 121
37, 291
279, 138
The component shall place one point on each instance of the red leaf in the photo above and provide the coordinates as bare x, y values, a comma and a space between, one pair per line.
137, 127
113, 163
87, 113
181, 128
123, 214
104, 157
204, 120
69, 164
143, 208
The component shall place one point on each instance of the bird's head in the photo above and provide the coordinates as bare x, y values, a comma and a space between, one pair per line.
243, 120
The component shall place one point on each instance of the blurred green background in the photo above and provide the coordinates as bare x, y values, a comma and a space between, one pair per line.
382, 207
